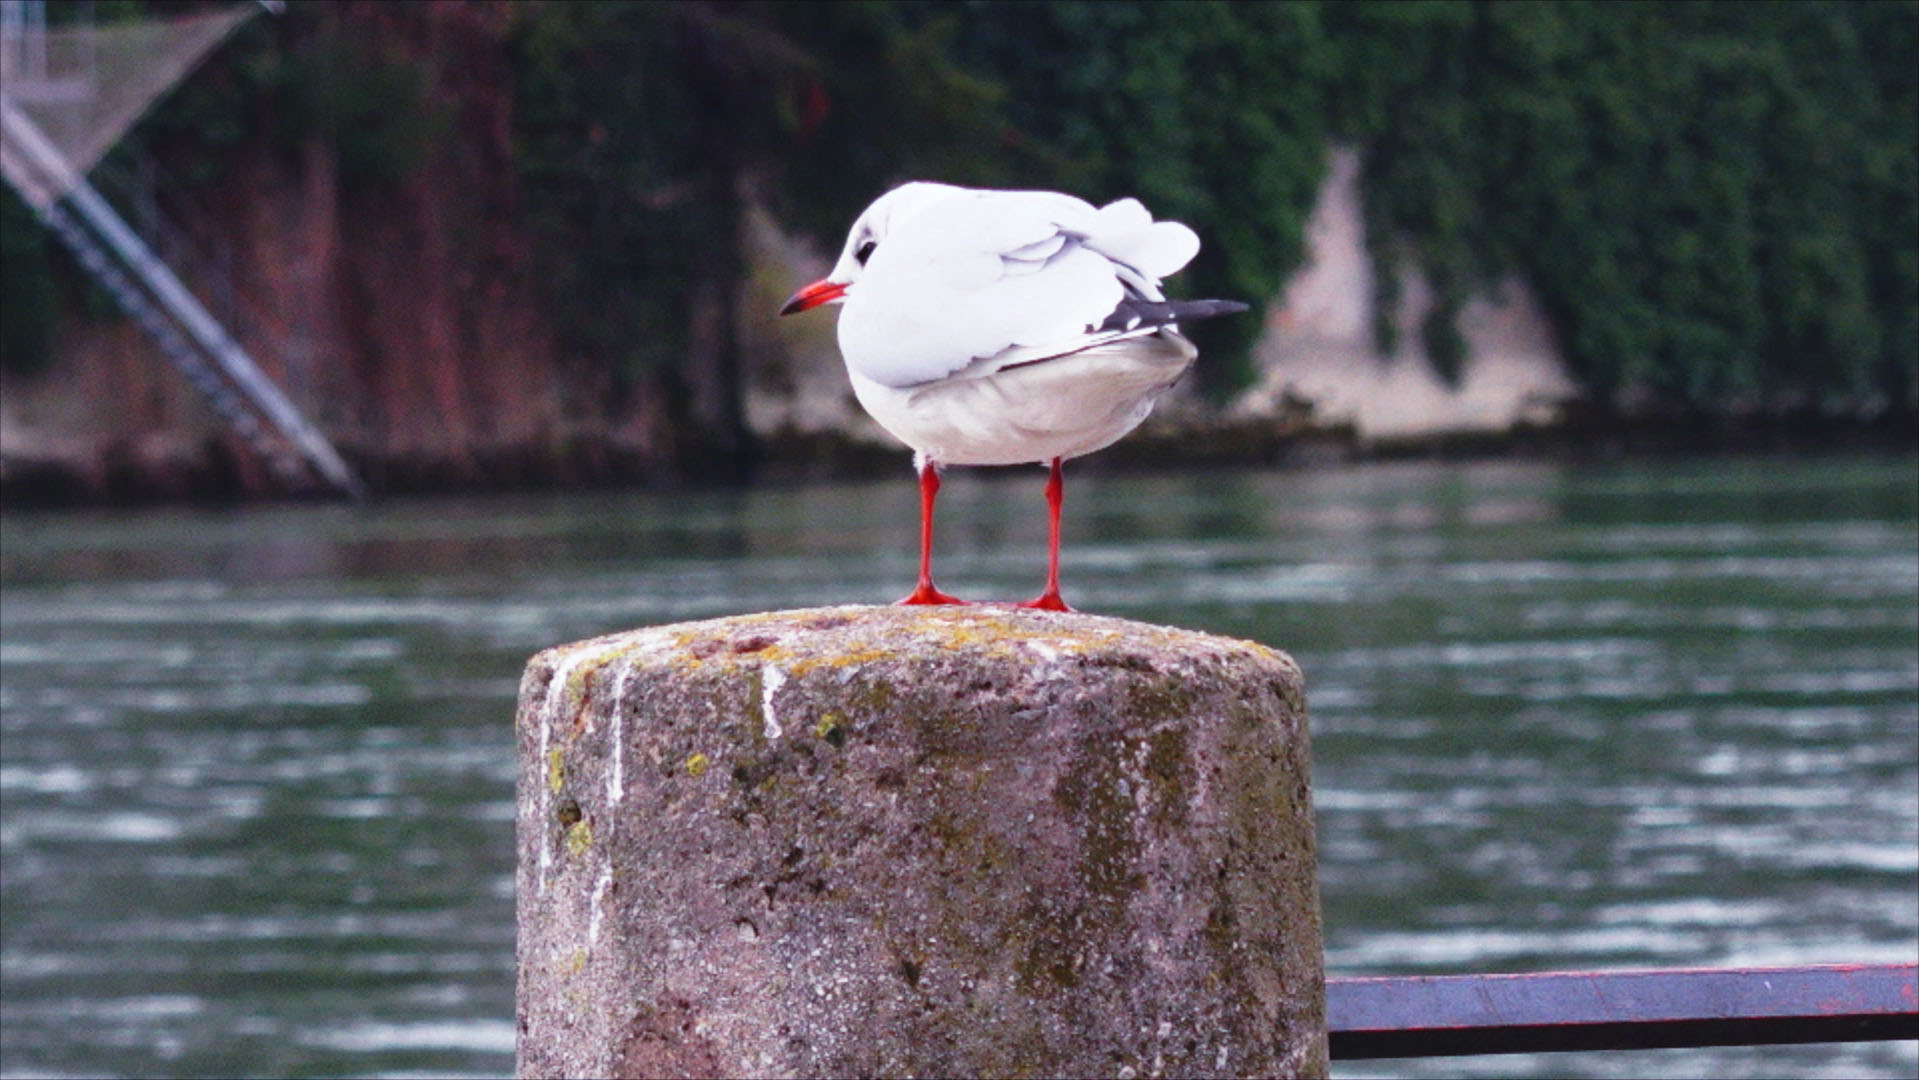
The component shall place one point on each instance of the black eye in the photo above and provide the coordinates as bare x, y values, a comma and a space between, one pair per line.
865, 252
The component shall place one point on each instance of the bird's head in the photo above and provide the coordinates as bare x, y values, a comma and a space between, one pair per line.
863, 242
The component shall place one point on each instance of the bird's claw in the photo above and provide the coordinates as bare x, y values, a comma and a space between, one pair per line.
1049, 601
927, 594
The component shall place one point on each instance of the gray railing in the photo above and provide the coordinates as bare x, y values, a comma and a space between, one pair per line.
1442, 1015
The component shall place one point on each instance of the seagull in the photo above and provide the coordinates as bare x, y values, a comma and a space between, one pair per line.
987, 327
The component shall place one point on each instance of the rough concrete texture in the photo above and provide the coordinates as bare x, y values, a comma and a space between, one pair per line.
892, 841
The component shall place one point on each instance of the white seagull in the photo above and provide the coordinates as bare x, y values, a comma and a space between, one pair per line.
1005, 327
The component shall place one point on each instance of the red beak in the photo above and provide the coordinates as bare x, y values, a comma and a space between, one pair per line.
813, 296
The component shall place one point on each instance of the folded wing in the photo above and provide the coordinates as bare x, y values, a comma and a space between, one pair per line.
1005, 277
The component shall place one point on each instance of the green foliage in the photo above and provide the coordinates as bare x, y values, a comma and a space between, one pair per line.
1715, 201
27, 287
631, 123
1211, 113
605, 149
637, 127
375, 111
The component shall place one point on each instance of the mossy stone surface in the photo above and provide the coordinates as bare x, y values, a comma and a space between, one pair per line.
916, 841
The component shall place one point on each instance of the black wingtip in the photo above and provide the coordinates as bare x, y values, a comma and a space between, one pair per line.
1132, 314
1204, 309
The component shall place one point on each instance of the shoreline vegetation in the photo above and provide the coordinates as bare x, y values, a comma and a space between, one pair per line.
492, 246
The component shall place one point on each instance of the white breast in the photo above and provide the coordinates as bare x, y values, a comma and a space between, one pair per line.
1062, 407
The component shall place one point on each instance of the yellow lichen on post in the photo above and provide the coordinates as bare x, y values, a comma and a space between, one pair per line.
579, 837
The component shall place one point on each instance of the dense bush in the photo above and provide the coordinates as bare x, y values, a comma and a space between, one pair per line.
1717, 202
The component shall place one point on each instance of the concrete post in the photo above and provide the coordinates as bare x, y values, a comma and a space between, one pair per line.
893, 841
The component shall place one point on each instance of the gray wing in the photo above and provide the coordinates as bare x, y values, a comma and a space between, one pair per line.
1005, 274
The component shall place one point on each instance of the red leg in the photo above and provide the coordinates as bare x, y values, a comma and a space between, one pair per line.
926, 592
1055, 494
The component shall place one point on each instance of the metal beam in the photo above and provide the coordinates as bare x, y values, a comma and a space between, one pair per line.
1442, 1015
203, 328
278, 456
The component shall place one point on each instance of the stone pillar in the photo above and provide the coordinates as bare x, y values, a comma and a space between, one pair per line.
883, 841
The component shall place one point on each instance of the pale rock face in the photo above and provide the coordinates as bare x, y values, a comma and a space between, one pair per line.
1319, 343
796, 383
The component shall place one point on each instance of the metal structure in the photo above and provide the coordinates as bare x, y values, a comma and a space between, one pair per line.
63, 78
1442, 1015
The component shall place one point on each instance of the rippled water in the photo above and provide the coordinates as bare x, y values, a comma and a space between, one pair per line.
255, 781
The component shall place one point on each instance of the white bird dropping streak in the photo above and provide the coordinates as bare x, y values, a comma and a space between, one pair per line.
553, 692
616, 776
772, 678
599, 893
